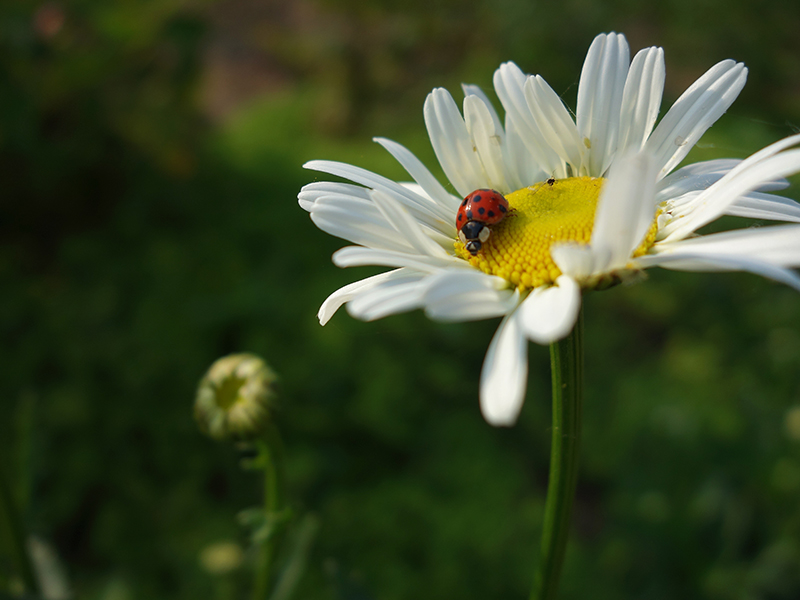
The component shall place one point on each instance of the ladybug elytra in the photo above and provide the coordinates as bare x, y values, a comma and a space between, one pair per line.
478, 210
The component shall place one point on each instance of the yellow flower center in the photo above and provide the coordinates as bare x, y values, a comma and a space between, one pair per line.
541, 215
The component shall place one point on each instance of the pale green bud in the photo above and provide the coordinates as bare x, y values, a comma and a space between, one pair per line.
222, 558
236, 397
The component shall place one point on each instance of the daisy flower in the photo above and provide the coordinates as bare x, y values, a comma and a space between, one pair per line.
592, 200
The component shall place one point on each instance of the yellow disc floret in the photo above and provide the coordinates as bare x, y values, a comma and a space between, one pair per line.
541, 215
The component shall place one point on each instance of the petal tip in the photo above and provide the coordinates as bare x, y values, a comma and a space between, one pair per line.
499, 420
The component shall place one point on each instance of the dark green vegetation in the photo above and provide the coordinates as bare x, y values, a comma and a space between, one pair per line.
140, 242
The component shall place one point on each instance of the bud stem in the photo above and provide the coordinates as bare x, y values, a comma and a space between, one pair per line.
270, 449
566, 359
16, 537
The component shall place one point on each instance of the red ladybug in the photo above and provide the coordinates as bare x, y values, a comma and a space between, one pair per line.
478, 210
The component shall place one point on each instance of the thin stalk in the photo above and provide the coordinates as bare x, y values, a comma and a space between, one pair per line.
16, 537
566, 359
271, 452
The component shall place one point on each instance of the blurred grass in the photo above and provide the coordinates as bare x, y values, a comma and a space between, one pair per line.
141, 242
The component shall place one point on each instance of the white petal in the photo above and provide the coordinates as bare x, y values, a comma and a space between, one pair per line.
406, 226
451, 142
509, 82
393, 296
694, 177
468, 295
504, 374
554, 121
600, 98
423, 209
348, 292
348, 211
780, 183
625, 210
549, 314
700, 175
311, 192
474, 90
579, 261
685, 261
765, 206
694, 112
357, 221
518, 164
488, 141
522, 169
443, 238
420, 173
697, 177
356, 256
779, 245
763, 167
641, 99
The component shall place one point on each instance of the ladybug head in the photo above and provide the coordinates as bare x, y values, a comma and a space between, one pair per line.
472, 230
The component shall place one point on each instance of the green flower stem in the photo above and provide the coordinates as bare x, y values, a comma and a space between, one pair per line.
16, 537
566, 359
270, 449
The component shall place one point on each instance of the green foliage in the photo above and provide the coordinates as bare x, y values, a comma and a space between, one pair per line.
139, 244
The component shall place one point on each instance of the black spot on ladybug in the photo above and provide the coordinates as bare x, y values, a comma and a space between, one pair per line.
490, 214
464, 203
460, 218
481, 210
502, 208
476, 199
469, 215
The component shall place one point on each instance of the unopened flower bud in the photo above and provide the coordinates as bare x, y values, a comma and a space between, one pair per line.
221, 558
235, 398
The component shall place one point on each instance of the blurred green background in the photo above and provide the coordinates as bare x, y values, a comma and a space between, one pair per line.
150, 157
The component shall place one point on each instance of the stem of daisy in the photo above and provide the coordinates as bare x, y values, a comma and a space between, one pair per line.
566, 359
